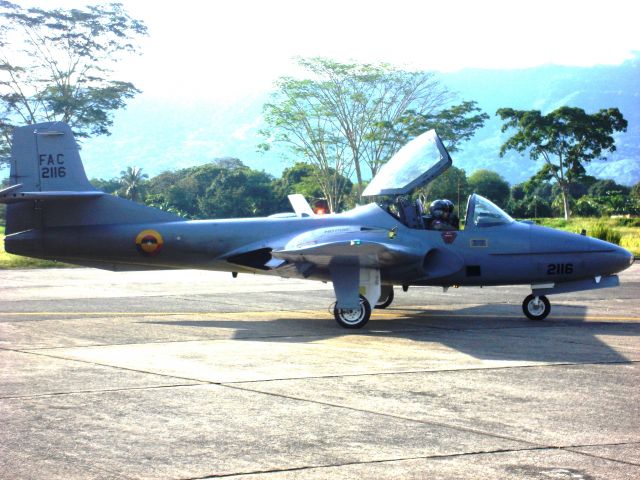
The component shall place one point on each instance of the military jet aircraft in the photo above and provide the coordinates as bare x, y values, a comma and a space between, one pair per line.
55, 213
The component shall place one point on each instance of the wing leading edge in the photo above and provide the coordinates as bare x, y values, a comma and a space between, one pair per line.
365, 253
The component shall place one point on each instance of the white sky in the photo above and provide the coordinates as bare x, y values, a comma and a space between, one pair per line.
222, 50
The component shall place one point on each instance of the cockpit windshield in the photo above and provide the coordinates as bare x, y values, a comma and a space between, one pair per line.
484, 213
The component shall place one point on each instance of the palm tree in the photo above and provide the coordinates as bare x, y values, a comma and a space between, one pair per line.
132, 180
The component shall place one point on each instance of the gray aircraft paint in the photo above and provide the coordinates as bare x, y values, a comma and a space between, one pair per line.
54, 212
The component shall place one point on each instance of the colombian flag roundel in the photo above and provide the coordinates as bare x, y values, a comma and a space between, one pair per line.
149, 242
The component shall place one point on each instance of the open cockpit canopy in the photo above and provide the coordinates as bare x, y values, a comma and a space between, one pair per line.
414, 165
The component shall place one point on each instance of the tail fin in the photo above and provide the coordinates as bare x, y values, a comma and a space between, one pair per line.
45, 158
49, 186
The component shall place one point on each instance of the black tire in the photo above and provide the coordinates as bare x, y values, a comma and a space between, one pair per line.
385, 302
536, 309
353, 317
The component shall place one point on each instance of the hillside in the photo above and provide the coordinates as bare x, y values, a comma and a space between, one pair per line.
547, 88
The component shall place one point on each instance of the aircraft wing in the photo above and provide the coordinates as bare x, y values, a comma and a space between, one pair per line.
354, 265
369, 254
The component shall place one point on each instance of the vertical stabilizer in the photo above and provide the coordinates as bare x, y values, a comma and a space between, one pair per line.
300, 205
45, 158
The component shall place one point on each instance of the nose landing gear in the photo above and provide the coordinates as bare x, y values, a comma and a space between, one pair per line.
536, 307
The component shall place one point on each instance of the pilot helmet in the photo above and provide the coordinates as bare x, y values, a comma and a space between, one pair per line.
437, 208
449, 205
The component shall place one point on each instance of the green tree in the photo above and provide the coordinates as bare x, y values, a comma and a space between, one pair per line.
567, 139
111, 186
587, 206
297, 120
223, 188
454, 125
55, 65
159, 201
133, 182
605, 187
581, 185
517, 192
306, 179
339, 119
300, 178
181, 189
241, 192
532, 198
491, 185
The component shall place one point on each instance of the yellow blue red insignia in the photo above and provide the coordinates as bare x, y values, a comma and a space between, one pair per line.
149, 242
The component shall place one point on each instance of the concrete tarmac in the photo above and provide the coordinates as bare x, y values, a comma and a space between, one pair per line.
191, 375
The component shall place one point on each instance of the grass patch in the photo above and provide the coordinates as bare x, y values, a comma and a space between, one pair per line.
8, 261
607, 234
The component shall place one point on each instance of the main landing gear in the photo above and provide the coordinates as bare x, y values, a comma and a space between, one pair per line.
386, 297
358, 317
536, 307
353, 317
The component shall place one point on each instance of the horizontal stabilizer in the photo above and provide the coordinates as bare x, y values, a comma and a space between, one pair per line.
12, 195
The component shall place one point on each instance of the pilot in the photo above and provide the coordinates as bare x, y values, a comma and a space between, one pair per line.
454, 220
434, 217
441, 216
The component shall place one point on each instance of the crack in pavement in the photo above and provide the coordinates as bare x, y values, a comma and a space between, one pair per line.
603, 457
238, 387
197, 381
424, 457
244, 386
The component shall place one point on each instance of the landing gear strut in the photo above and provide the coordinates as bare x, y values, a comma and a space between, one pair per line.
386, 298
353, 317
536, 307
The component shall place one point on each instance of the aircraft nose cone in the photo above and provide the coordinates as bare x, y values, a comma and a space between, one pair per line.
597, 256
627, 258
613, 261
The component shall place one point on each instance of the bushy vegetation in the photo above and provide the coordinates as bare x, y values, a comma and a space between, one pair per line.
225, 188
605, 233
588, 197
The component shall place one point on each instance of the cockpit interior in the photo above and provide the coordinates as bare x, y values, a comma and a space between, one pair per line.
440, 215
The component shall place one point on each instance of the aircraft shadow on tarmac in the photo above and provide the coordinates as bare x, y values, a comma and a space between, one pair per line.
498, 334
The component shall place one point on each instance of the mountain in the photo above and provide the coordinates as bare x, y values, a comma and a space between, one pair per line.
547, 88
161, 134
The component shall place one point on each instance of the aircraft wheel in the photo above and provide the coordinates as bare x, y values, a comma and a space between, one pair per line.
384, 302
536, 307
353, 317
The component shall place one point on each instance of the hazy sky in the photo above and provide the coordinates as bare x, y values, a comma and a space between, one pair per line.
205, 61
218, 50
